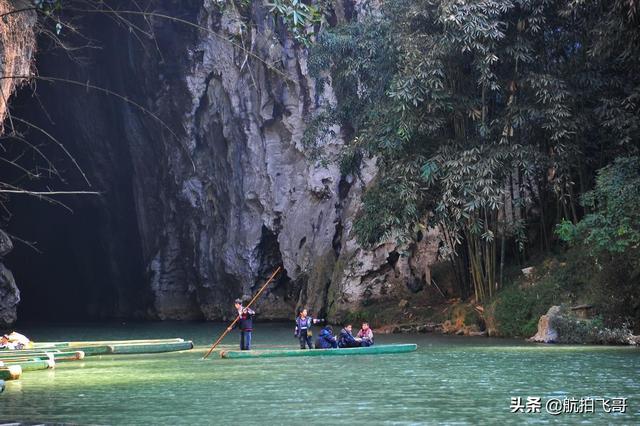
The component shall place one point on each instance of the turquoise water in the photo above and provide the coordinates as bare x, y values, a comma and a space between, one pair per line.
452, 380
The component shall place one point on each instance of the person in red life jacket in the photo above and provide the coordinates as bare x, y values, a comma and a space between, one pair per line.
326, 339
365, 335
245, 324
303, 329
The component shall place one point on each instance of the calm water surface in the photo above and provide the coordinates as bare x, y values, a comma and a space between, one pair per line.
450, 380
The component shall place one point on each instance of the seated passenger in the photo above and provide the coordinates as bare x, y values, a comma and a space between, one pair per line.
346, 339
365, 335
5, 343
15, 341
326, 339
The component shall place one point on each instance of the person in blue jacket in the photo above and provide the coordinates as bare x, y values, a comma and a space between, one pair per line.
245, 324
346, 339
303, 329
326, 339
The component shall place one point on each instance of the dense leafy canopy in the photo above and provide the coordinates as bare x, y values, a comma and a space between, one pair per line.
613, 222
499, 112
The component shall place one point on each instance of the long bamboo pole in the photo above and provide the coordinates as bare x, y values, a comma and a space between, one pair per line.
226, 331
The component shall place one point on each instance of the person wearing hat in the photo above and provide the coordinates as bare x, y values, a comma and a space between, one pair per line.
245, 324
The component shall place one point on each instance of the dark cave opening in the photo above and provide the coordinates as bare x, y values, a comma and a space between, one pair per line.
90, 264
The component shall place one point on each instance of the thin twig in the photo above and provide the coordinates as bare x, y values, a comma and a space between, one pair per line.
50, 136
47, 193
192, 24
112, 93
31, 245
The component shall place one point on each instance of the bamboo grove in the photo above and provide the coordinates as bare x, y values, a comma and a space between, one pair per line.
487, 119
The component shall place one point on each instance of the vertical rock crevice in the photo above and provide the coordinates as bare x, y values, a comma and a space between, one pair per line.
181, 240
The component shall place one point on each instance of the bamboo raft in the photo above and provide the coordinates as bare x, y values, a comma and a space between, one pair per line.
31, 365
10, 372
272, 353
56, 356
44, 355
91, 348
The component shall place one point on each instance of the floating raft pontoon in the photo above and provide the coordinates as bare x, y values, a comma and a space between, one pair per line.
32, 365
150, 348
58, 356
76, 344
10, 372
370, 350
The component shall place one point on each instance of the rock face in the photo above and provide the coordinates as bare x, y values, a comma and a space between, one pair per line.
17, 44
9, 294
217, 189
546, 333
561, 325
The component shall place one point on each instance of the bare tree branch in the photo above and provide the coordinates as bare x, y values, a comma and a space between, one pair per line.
50, 136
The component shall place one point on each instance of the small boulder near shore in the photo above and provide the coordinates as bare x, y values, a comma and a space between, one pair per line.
546, 333
563, 325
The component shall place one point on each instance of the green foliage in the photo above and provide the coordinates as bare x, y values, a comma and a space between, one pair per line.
608, 284
390, 210
613, 224
517, 310
500, 108
576, 330
299, 18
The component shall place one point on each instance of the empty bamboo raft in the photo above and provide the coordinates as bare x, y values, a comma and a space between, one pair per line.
104, 343
149, 348
10, 372
370, 350
44, 355
57, 356
91, 348
31, 365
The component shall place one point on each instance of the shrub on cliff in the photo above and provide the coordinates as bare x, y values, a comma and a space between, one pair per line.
612, 226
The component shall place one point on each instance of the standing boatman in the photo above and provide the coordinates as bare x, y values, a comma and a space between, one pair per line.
245, 323
303, 329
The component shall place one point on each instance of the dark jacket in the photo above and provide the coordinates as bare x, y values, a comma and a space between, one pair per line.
326, 339
245, 323
347, 340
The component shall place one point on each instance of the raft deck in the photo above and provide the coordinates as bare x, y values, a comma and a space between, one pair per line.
272, 353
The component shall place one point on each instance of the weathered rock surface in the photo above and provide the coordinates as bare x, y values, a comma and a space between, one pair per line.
17, 45
204, 215
9, 293
546, 333
561, 325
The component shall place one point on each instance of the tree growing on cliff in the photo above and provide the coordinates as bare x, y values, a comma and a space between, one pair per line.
507, 106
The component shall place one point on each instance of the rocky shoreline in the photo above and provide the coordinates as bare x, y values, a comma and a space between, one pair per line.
561, 325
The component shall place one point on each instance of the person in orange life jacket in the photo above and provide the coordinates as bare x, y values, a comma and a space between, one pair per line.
326, 339
303, 329
245, 323
365, 335
346, 339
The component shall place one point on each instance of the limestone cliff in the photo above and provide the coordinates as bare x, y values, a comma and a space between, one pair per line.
192, 220
17, 44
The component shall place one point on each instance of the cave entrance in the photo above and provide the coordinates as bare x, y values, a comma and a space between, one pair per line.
69, 278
